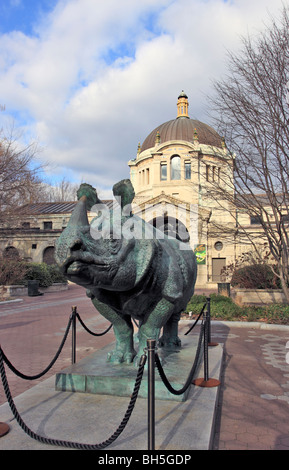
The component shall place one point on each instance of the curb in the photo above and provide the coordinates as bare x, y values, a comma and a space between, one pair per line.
256, 325
10, 301
244, 324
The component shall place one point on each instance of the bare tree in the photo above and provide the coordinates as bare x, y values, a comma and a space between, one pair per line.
20, 173
250, 110
62, 191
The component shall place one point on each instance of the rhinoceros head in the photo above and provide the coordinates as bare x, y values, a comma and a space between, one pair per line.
97, 254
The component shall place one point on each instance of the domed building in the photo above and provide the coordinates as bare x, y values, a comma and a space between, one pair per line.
179, 175
174, 173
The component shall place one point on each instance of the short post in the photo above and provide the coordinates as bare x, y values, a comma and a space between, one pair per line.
206, 342
209, 318
73, 354
151, 346
206, 381
210, 342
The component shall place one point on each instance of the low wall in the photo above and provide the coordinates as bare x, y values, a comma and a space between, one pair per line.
14, 291
59, 286
17, 290
257, 296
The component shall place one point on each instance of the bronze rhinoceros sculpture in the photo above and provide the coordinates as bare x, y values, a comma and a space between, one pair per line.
130, 270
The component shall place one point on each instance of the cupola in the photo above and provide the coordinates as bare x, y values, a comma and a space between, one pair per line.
183, 105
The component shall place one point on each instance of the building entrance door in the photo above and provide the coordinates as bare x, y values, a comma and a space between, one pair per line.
218, 264
48, 255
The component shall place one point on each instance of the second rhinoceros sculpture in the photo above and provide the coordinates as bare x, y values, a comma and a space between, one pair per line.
130, 270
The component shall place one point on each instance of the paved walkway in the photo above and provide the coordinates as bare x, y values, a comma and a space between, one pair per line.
253, 411
31, 332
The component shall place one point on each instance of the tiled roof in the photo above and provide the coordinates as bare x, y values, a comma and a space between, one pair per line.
53, 207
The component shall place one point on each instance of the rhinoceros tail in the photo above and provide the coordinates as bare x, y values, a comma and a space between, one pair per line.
90, 193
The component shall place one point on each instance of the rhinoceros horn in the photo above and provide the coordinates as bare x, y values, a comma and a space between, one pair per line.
87, 197
72, 237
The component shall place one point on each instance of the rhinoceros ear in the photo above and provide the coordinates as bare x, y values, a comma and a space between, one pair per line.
90, 194
123, 190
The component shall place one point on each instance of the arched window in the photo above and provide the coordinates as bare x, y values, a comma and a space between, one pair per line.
171, 227
11, 252
175, 167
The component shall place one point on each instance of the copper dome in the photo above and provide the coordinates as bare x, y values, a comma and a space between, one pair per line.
183, 128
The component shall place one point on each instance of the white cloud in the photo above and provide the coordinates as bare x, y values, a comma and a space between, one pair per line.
95, 78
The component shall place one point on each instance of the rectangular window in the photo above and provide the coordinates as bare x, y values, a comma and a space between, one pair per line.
148, 176
207, 172
47, 225
213, 173
255, 220
187, 170
163, 171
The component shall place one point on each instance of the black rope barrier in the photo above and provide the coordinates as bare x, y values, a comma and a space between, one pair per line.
153, 361
191, 374
135, 322
69, 444
89, 331
199, 316
74, 316
37, 376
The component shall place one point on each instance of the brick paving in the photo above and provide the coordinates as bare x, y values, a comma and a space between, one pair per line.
253, 409
31, 332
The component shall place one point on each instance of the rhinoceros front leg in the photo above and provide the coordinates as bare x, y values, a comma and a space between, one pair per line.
123, 330
150, 328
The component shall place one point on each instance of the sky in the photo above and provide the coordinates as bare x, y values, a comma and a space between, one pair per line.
88, 80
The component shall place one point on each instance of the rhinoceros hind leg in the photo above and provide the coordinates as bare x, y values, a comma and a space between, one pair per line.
169, 338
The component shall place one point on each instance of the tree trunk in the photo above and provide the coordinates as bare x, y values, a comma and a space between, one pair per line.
284, 287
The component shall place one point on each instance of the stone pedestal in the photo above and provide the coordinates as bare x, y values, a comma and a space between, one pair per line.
95, 375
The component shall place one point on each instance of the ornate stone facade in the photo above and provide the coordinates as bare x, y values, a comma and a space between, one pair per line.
173, 175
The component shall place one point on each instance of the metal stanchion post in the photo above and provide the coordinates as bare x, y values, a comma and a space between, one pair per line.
73, 354
206, 381
151, 346
206, 342
210, 342
209, 318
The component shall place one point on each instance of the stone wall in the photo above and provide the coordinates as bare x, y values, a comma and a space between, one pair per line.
257, 296
17, 290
